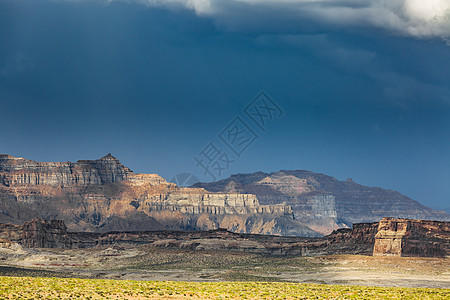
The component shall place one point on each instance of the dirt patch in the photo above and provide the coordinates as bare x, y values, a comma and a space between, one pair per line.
151, 263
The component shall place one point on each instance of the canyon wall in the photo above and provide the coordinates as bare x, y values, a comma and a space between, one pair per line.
323, 202
18, 172
104, 195
416, 238
403, 237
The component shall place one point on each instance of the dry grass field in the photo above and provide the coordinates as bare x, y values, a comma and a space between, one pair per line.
156, 264
69, 288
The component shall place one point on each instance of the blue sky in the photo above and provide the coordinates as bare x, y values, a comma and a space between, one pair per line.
364, 86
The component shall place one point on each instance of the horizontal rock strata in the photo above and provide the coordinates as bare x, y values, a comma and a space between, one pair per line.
323, 202
403, 237
426, 239
103, 195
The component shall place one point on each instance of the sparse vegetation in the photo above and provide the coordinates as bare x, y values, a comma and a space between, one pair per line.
69, 288
23, 272
167, 259
166, 264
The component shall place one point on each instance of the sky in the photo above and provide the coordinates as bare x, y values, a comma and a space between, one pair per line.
353, 89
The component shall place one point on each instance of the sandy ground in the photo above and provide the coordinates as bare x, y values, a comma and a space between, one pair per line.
147, 263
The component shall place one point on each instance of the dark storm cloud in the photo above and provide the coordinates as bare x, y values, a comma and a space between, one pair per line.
153, 84
416, 18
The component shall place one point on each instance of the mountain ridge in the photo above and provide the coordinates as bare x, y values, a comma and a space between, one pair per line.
103, 194
323, 202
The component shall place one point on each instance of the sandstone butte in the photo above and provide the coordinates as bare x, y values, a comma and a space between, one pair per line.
390, 236
103, 195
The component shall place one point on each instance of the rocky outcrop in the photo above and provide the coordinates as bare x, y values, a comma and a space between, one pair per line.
36, 233
10, 236
102, 195
403, 237
45, 234
323, 202
16, 172
359, 239
416, 238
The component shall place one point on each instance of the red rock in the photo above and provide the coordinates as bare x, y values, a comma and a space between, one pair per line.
416, 238
404, 237
102, 195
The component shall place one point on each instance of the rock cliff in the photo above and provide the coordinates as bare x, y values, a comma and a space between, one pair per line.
19, 172
103, 195
403, 237
323, 202
45, 234
36, 233
400, 237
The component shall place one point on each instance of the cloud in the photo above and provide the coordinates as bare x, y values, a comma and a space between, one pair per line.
398, 88
417, 18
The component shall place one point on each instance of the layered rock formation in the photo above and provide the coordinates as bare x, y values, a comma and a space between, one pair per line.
403, 237
415, 238
45, 234
36, 233
323, 202
103, 195
17, 171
